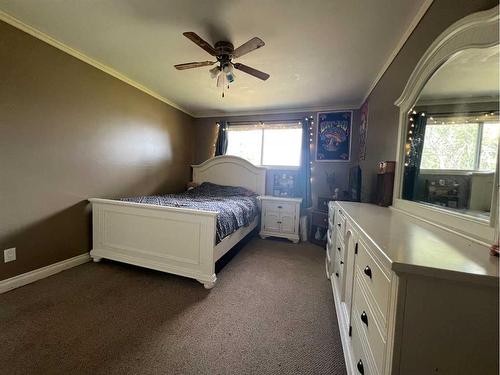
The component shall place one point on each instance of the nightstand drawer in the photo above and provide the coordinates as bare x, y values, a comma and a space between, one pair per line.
279, 207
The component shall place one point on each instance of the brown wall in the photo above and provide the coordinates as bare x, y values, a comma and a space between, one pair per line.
383, 114
206, 134
69, 132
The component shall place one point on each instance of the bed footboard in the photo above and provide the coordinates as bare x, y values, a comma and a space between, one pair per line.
175, 240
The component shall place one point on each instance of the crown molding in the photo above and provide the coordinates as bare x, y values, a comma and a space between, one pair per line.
83, 57
413, 24
278, 111
205, 114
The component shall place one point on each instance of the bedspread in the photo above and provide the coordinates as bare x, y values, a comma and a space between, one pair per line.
235, 206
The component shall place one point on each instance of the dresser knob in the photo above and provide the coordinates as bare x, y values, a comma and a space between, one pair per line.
364, 318
337, 274
341, 262
338, 225
338, 248
360, 367
368, 272
278, 222
280, 206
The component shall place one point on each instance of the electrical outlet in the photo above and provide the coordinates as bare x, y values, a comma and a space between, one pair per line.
9, 255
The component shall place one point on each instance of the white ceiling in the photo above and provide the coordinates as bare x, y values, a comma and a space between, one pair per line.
319, 53
473, 73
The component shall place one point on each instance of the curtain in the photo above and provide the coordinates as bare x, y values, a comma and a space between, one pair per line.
304, 175
414, 146
221, 143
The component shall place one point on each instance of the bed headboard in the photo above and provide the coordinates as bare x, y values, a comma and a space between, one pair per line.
232, 171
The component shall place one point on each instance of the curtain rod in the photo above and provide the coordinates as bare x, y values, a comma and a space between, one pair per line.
263, 122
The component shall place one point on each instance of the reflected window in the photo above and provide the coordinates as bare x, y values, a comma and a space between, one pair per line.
460, 145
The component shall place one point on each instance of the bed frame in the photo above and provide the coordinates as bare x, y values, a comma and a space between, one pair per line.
175, 240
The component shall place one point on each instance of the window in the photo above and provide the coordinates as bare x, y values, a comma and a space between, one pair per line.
266, 144
465, 145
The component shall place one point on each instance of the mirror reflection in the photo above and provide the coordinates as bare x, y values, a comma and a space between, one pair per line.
451, 148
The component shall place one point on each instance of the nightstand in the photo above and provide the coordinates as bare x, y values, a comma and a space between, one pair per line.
280, 217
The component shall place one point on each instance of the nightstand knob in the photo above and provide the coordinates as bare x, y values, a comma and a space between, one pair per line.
338, 248
337, 274
280, 206
279, 222
338, 225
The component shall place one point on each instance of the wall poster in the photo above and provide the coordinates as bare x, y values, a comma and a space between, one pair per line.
333, 142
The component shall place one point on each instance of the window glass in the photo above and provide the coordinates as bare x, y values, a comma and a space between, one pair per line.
246, 144
489, 146
450, 146
282, 147
276, 145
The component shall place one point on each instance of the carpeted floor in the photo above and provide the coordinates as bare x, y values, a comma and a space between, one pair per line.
271, 312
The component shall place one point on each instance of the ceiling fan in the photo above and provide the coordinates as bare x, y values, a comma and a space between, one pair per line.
224, 52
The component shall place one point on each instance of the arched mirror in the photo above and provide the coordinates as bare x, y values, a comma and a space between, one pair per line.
449, 131
452, 136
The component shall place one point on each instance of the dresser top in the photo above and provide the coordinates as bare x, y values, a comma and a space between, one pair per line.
414, 246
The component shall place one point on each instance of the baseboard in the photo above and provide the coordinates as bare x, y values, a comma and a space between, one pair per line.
40, 273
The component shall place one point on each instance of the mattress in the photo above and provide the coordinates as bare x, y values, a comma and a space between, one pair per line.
236, 207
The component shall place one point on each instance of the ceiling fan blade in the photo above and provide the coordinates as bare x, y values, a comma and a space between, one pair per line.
249, 46
195, 38
192, 65
253, 72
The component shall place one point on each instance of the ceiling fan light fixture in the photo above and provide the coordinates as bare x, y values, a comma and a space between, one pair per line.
230, 77
214, 72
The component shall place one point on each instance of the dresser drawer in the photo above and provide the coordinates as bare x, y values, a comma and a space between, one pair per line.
339, 247
378, 284
364, 317
339, 223
329, 236
359, 350
279, 207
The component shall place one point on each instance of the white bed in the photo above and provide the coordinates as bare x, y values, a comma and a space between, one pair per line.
175, 240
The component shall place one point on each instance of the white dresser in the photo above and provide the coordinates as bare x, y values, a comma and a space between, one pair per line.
280, 217
411, 298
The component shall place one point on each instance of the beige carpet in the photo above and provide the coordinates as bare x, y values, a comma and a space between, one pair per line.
271, 312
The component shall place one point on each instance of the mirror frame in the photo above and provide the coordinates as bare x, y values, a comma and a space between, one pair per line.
478, 30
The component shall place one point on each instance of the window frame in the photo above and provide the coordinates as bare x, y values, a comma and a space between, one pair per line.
294, 124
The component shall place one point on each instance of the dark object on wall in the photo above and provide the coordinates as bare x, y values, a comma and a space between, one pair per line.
221, 144
318, 228
284, 185
385, 183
